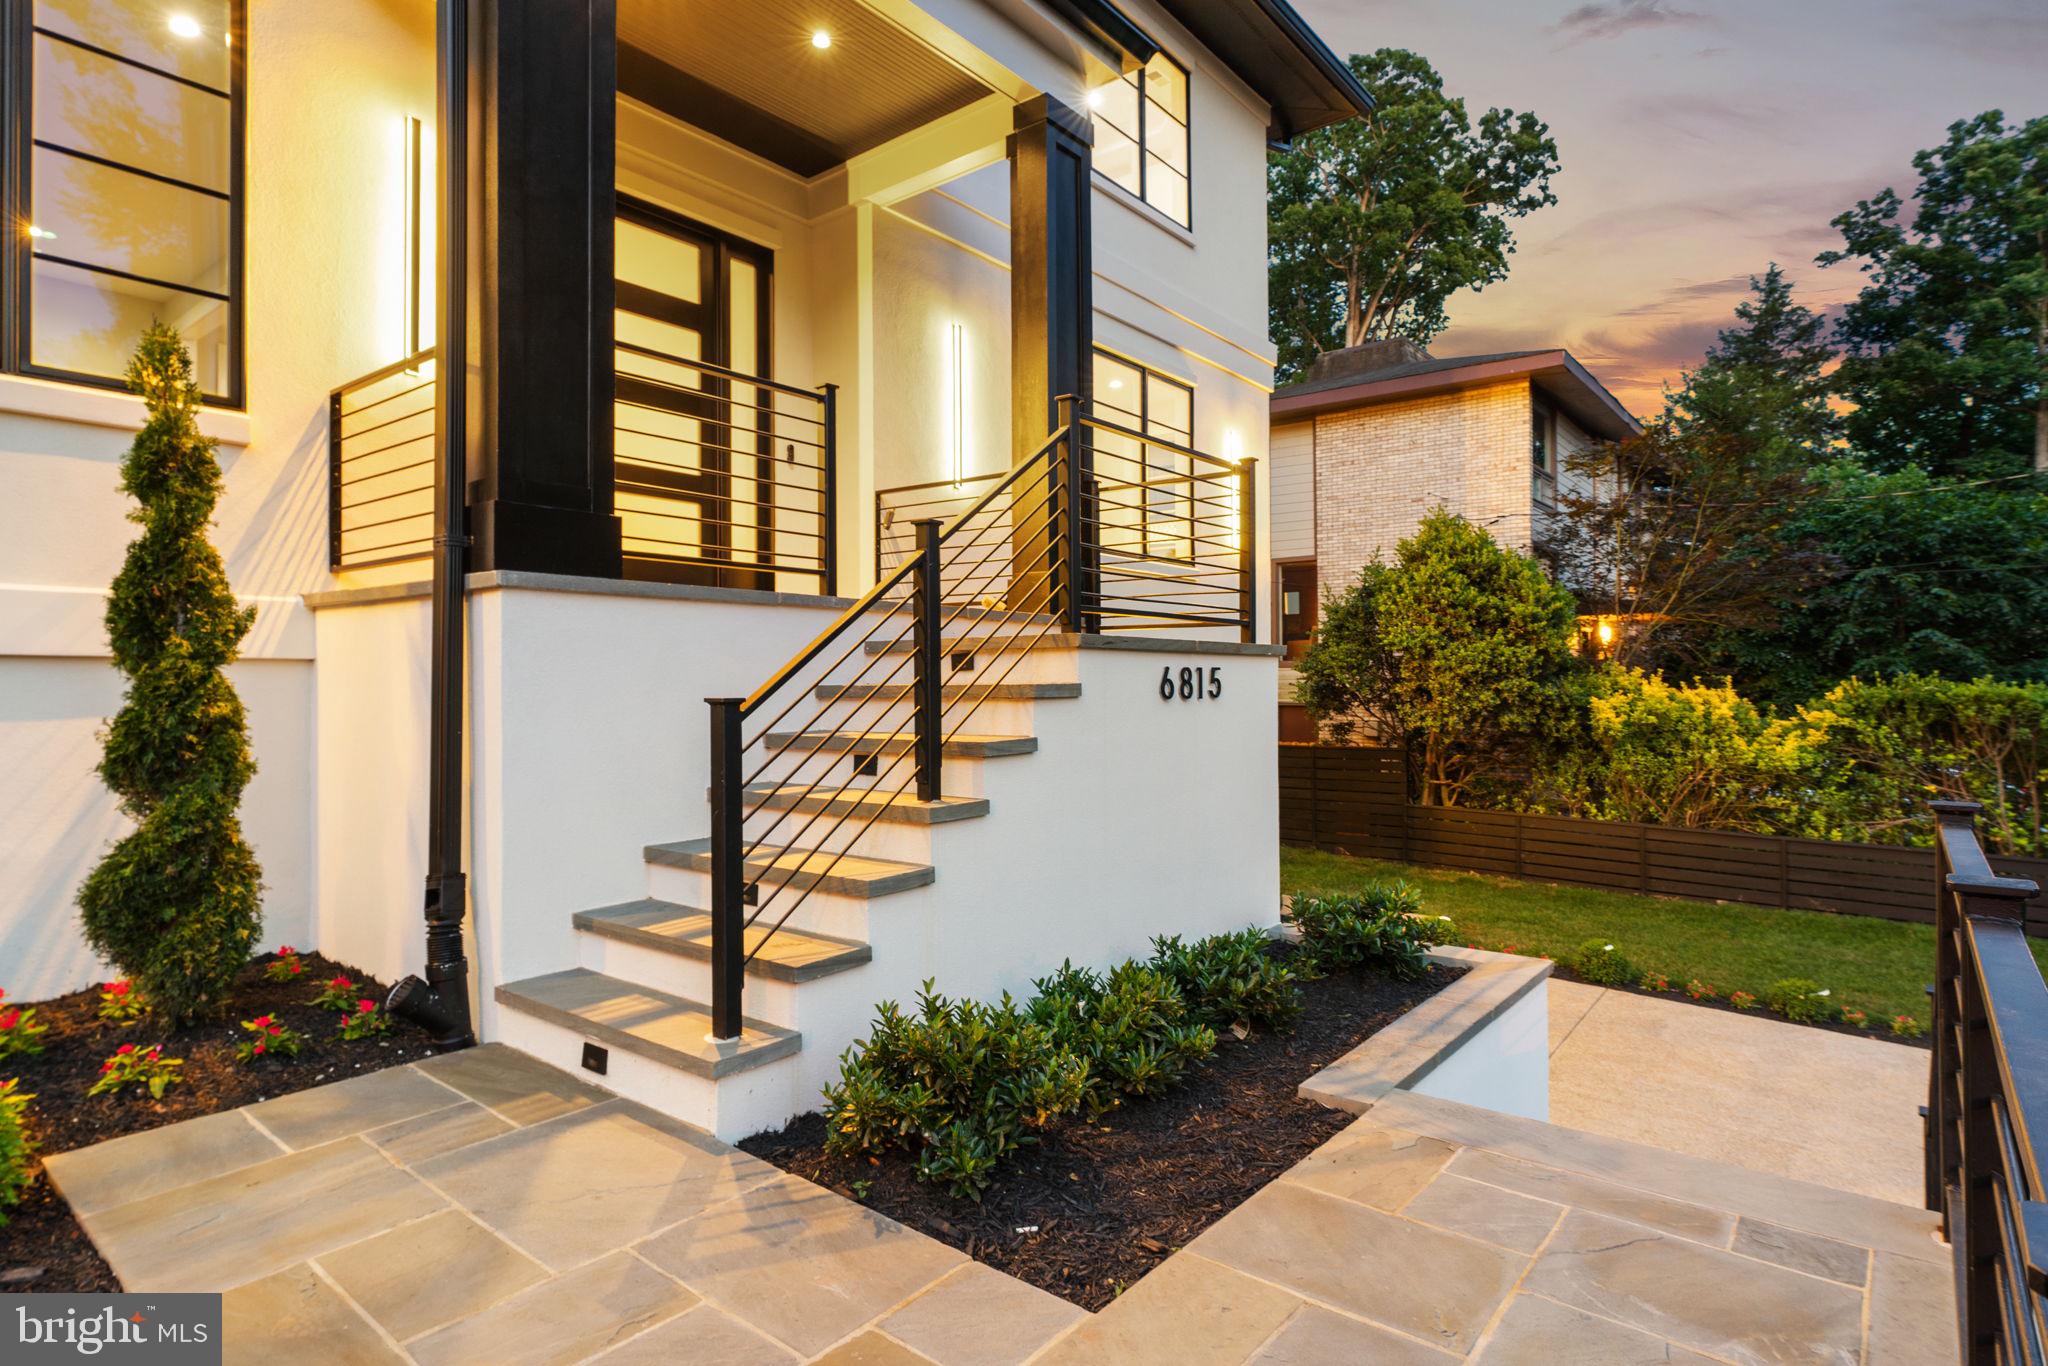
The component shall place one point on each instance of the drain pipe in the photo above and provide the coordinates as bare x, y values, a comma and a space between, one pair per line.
440, 1003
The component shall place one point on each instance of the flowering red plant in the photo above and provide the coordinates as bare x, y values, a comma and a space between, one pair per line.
139, 1066
339, 993
368, 1018
121, 1003
1742, 1000
19, 1032
269, 1037
286, 966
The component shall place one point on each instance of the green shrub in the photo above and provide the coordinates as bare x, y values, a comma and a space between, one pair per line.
1230, 980
1797, 998
965, 1082
15, 1147
175, 904
1377, 928
1598, 961
1131, 1028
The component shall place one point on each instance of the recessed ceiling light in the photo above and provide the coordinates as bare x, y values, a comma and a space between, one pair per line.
185, 26
821, 39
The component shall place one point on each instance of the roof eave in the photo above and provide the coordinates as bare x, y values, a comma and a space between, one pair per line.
1584, 396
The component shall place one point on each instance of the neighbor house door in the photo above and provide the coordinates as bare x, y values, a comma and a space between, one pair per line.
1297, 606
694, 469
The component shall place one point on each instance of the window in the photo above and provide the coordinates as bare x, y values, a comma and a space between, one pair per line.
1141, 134
1145, 490
1542, 453
124, 156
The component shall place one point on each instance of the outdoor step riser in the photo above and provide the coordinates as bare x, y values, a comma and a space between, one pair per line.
731, 1107
1010, 665
962, 775
995, 716
838, 831
765, 998
830, 913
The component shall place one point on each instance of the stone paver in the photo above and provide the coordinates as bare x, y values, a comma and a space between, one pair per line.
530, 1219
1749, 1090
306, 1119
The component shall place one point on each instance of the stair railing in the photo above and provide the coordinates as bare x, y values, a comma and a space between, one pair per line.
775, 766
1987, 1110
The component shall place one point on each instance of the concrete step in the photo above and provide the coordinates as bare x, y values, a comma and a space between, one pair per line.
997, 642
950, 692
651, 1024
862, 743
849, 875
902, 808
789, 955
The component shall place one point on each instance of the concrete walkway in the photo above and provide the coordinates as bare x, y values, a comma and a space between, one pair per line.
1746, 1089
482, 1207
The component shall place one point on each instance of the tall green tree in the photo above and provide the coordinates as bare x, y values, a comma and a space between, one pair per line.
1464, 647
1374, 222
1946, 348
1763, 381
175, 904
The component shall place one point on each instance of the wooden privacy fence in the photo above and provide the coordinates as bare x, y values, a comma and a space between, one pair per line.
1355, 799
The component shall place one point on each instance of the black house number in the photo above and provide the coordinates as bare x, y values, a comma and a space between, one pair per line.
1190, 684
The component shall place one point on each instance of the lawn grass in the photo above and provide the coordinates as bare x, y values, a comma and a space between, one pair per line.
1881, 967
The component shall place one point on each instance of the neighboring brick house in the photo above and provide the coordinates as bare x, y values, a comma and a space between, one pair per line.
1379, 434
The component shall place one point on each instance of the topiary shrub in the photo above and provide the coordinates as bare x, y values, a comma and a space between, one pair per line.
1599, 962
1230, 981
15, 1147
1801, 1000
1377, 928
175, 904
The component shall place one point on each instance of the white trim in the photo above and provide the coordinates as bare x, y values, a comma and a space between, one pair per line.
59, 621
86, 406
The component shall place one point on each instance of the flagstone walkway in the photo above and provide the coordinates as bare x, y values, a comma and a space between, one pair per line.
481, 1207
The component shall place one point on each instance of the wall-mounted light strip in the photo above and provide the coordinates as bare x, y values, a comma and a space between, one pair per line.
957, 336
414, 231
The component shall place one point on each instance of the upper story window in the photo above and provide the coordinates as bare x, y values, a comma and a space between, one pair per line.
1141, 134
1543, 452
1145, 489
124, 151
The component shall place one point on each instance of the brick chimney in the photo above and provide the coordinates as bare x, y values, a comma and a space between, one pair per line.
1363, 360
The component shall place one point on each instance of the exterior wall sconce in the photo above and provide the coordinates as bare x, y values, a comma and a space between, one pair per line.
414, 136
956, 361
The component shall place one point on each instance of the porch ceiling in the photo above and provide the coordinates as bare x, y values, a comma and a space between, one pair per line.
749, 74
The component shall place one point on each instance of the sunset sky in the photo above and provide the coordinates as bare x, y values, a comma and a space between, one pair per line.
1700, 140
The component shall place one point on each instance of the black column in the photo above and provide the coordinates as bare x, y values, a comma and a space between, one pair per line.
545, 90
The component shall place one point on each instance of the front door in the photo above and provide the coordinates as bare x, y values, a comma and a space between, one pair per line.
693, 468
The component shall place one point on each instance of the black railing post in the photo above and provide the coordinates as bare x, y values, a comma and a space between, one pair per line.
1944, 1161
830, 530
1066, 555
728, 869
334, 480
1247, 551
928, 673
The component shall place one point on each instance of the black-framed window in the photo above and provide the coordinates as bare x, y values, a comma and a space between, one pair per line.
1542, 452
1141, 134
124, 151
1146, 488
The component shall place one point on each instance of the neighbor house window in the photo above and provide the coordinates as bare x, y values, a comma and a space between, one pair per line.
1543, 453
1145, 488
124, 174
1141, 134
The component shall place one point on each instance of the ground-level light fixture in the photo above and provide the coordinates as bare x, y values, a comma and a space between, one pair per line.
820, 39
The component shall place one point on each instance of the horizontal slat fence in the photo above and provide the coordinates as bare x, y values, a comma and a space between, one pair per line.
1355, 799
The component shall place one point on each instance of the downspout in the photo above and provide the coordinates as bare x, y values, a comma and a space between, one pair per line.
440, 1004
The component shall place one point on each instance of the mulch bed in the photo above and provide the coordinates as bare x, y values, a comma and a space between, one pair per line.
1095, 1206
42, 1247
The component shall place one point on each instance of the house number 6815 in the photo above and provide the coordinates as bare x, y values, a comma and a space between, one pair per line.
1190, 684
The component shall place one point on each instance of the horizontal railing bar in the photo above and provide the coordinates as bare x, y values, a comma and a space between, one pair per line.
413, 362
385, 474
386, 521
778, 458
769, 529
940, 483
382, 545
723, 372
824, 638
362, 432
1103, 425
387, 446
426, 549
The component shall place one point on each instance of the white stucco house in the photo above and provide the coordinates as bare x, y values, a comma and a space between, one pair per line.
849, 565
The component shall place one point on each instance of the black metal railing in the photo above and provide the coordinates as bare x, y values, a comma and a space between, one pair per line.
722, 477
380, 466
1987, 1109
719, 477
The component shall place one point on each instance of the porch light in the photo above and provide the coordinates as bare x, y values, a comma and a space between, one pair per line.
956, 359
820, 39
41, 234
1095, 98
185, 26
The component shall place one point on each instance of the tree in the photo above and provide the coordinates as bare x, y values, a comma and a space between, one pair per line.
1466, 648
1374, 222
1920, 578
1946, 348
1762, 381
175, 904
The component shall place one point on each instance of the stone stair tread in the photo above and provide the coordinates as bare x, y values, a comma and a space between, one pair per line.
902, 808
993, 692
851, 875
865, 742
653, 1024
995, 643
788, 954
